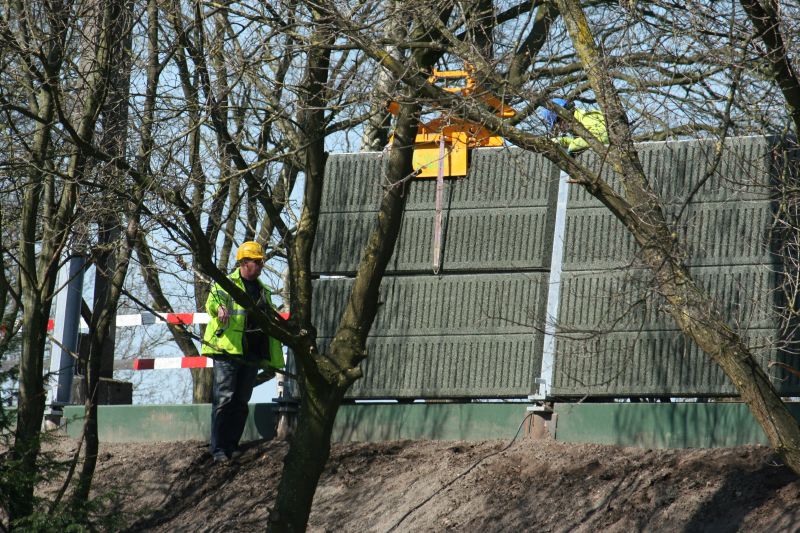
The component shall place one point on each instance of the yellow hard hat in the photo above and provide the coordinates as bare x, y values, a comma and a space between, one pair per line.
250, 250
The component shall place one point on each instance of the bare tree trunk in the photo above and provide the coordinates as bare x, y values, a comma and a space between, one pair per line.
308, 453
326, 377
641, 211
38, 270
9, 299
103, 318
766, 21
376, 130
30, 407
108, 43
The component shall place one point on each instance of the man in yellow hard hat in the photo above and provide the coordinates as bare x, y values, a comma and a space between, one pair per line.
238, 347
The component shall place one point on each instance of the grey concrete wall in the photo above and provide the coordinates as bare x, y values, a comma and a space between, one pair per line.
446, 336
498, 218
614, 337
475, 330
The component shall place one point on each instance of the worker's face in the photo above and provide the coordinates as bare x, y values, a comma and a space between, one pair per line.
251, 268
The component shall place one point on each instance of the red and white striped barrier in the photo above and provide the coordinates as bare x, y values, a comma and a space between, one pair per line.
161, 363
171, 363
146, 319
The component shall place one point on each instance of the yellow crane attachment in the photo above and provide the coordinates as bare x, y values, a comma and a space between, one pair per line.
459, 135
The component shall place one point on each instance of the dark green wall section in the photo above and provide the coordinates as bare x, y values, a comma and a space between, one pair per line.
498, 218
149, 423
661, 425
475, 330
650, 425
355, 422
466, 336
439, 337
445, 421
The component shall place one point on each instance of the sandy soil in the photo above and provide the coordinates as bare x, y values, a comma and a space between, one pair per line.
527, 485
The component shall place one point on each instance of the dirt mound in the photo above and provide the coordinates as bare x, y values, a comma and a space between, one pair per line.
460, 486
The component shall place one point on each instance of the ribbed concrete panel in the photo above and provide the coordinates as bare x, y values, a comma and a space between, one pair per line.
444, 305
473, 240
498, 177
492, 366
475, 333
595, 239
730, 233
615, 338
745, 170
449, 336
715, 233
499, 218
626, 300
353, 182
650, 363
507, 239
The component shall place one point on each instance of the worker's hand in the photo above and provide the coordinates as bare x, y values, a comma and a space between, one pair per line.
223, 315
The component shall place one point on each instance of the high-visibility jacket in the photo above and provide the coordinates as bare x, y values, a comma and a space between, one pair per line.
230, 341
592, 120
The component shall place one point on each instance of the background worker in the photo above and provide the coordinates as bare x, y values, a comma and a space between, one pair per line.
239, 347
592, 119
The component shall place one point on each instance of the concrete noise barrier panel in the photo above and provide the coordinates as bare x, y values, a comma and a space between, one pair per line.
729, 209
454, 336
500, 217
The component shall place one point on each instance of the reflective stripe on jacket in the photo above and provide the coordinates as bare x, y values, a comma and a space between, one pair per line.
592, 120
230, 341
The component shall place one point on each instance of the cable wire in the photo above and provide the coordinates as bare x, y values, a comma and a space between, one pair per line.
459, 476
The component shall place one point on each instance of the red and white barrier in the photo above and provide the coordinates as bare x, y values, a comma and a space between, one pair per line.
169, 363
146, 319
162, 363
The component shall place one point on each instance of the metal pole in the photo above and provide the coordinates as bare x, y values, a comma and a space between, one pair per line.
288, 399
65, 333
437, 223
545, 380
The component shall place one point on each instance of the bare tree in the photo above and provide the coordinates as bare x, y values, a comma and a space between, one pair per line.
116, 216
242, 101
210, 59
52, 102
304, 123
770, 28
37, 277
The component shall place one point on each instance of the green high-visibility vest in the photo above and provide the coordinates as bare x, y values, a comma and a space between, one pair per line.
230, 341
592, 120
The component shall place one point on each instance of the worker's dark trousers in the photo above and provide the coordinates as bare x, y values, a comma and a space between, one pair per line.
233, 386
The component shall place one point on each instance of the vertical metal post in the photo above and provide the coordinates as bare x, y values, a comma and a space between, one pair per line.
290, 385
288, 399
545, 380
280, 386
437, 223
65, 332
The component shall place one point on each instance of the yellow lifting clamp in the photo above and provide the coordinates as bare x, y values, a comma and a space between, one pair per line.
456, 135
